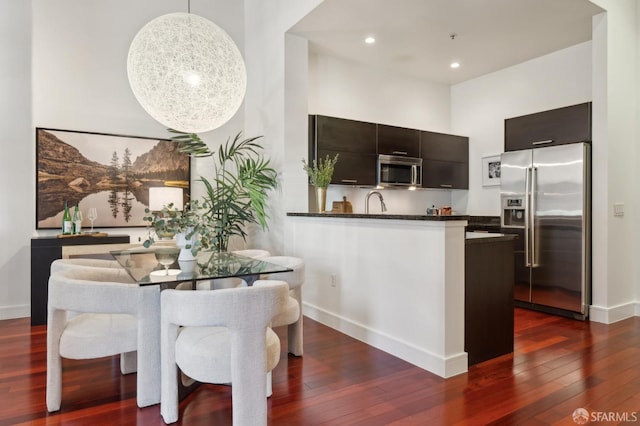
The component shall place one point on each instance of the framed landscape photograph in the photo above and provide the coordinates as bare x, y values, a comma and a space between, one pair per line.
111, 173
491, 170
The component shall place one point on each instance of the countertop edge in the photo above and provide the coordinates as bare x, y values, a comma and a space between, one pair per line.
439, 218
490, 239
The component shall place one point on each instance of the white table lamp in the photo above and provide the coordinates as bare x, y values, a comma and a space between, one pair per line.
161, 197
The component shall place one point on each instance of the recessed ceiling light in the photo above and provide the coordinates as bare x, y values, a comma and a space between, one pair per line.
455, 65
370, 40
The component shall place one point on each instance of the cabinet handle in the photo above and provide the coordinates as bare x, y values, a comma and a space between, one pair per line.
446, 185
542, 142
400, 152
349, 180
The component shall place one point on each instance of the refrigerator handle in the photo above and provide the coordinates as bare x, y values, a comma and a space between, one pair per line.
534, 184
527, 210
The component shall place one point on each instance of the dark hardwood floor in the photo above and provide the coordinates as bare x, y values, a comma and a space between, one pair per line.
559, 365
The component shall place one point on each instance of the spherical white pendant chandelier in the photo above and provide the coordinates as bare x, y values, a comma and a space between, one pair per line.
186, 72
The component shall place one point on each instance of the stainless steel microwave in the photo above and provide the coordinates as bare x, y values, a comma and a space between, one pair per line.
394, 170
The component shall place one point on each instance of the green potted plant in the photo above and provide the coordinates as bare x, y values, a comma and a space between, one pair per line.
165, 224
236, 195
320, 173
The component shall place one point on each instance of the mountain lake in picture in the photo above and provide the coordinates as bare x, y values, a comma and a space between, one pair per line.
111, 173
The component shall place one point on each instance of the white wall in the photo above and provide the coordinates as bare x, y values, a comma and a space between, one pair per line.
80, 64
616, 155
77, 63
342, 88
479, 107
17, 162
275, 108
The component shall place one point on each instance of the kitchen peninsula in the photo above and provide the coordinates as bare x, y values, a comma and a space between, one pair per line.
395, 282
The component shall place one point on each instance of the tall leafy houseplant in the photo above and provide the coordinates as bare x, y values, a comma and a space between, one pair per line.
238, 192
320, 173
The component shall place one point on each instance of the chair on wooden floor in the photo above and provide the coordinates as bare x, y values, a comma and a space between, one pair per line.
128, 360
110, 318
292, 315
222, 336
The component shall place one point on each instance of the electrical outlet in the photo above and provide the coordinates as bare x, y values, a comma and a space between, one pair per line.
618, 209
334, 280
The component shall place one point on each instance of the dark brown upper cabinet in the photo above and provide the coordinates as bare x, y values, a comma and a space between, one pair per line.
554, 127
445, 160
354, 141
398, 141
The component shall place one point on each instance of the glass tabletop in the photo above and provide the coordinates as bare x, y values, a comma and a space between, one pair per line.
144, 268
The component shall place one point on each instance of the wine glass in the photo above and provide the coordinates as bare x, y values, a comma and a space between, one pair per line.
92, 215
166, 256
77, 222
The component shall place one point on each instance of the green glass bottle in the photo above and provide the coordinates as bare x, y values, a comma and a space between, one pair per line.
67, 225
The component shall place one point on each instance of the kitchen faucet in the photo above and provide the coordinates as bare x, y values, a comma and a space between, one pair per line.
366, 202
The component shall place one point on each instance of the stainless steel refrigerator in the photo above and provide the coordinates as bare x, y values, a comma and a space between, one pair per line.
546, 200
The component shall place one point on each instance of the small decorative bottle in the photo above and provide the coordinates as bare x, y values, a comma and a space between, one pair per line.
67, 225
77, 221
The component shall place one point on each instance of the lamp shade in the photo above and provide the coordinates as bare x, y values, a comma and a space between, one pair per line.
161, 197
186, 72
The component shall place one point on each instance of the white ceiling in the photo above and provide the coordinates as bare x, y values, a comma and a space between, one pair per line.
413, 36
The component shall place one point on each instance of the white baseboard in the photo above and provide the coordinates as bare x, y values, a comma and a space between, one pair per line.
16, 311
615, 313
443, 367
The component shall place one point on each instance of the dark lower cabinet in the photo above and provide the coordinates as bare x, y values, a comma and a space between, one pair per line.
489, 275
44, 250
547, 128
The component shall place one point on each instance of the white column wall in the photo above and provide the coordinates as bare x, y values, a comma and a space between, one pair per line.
615, 160
275, 108
17, 161
363, 279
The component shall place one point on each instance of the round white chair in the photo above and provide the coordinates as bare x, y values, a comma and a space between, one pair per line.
222, 336
292, 315
110, 318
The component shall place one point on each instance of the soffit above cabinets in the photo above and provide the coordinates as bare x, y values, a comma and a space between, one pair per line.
413, 37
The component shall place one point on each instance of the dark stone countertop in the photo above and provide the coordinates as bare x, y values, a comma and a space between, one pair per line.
383, 216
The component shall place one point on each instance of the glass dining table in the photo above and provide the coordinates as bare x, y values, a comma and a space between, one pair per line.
142, 265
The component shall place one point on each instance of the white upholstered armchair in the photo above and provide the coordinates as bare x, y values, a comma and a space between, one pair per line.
222, 336
292, 315
110, 318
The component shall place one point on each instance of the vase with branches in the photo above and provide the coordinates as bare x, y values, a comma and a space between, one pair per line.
320, 173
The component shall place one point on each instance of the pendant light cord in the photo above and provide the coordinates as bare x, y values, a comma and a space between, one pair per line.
189, 6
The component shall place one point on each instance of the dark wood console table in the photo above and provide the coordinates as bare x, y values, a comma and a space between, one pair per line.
44, 250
